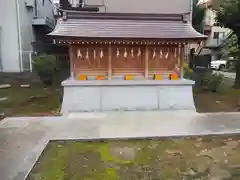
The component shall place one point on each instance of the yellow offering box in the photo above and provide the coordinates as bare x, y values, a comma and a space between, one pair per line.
128, 77
173, 76
82, 77
100, 77
158, 77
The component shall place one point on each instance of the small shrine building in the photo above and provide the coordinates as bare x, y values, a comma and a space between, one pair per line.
126, 61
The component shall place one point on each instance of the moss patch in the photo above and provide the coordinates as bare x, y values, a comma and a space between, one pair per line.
181, 158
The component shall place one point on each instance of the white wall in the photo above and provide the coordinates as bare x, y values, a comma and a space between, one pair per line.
9, 36
45, 10
223, 32
26, 19
10, 44
209, 17
142, 6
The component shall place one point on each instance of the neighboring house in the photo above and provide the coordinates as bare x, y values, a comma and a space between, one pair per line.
138, 6
22, 22
216, 35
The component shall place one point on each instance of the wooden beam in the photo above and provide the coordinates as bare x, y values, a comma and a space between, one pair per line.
146, 62
179, 59
109, 62
72, 65
182, 61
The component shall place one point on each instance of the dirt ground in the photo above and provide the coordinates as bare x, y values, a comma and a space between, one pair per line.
226, 101
190, 158
32, 101
212, 102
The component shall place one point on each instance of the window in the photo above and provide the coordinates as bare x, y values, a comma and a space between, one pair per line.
81, 3
223, 34
215, 35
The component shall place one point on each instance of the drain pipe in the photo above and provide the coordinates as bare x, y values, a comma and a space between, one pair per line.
19, 35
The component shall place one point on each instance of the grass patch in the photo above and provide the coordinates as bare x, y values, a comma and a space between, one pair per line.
189, 158
226, 99
30, 101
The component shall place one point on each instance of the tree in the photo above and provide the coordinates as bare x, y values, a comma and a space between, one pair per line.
228, 16
230, 47
198, 14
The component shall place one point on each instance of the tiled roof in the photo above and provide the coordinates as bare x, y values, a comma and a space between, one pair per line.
102, 25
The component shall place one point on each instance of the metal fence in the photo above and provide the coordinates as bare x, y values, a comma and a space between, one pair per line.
26, 64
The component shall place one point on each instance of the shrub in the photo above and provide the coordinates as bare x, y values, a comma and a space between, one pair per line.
212, 81
187, 71
45, 66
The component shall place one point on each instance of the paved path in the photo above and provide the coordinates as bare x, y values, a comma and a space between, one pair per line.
23, 139
230, 75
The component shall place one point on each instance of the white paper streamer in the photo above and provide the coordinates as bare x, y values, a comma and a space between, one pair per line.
87, 54
167, 54
154, 53
139, 52
118, 53
101, 54
161, 54
125, 53
79, 54
132, 53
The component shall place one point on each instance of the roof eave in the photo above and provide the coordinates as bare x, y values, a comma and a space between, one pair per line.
72, 38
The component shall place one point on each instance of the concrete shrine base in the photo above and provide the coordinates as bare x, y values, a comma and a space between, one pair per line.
121, 95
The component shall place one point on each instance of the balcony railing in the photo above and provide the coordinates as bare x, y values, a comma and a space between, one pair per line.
43, 13
214, 42
217, 42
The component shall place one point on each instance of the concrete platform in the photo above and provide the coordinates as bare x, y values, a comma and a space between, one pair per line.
121, 95
22, 139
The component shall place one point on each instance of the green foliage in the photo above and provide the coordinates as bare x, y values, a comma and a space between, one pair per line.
198, 14
212, 81
45, 66
187, 71
43, 63
228, 16
231, 47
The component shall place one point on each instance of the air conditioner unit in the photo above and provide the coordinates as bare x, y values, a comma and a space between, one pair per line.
29, 3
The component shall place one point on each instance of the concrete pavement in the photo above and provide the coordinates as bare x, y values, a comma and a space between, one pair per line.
23, 139
229, 75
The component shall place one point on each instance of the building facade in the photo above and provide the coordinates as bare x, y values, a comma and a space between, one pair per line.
139, 6
217, 35
20, 22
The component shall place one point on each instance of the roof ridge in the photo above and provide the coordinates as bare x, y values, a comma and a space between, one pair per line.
124, 16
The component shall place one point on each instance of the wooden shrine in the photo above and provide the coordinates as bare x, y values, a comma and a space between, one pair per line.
118, 57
